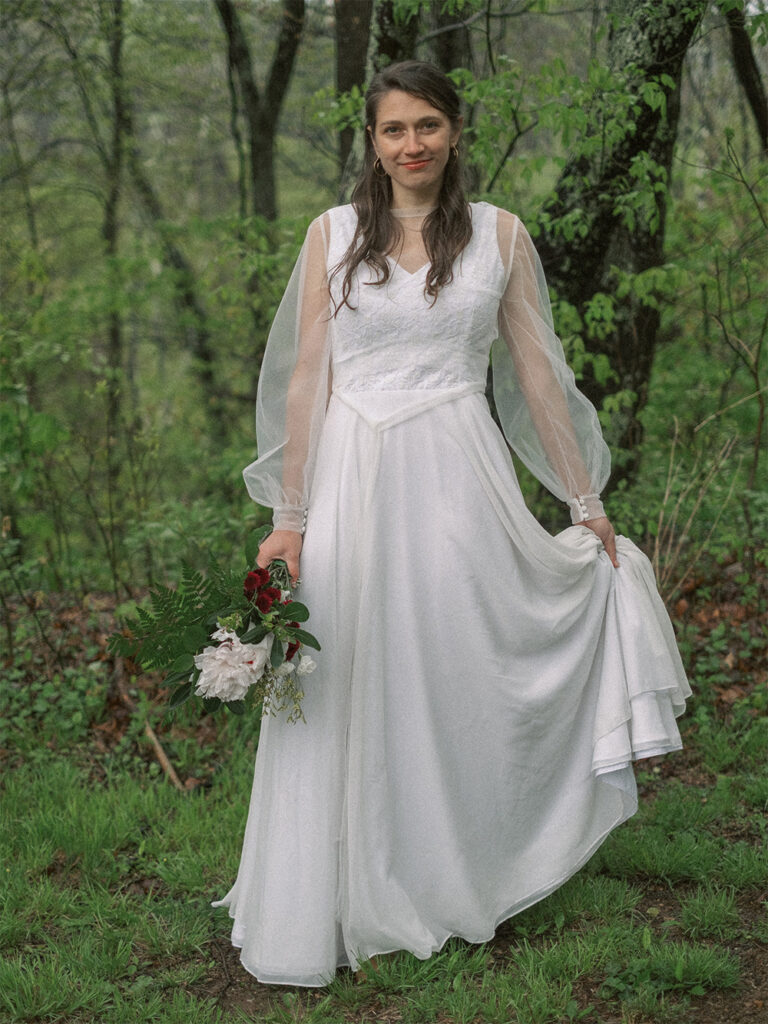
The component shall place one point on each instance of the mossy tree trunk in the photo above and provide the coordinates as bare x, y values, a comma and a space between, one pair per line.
592, 231
746, 67
353, 25
262, 109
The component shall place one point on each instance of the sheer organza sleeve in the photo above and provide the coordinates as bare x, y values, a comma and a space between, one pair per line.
548, 422
293, 388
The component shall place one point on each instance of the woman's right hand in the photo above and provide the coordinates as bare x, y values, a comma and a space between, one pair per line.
285, 544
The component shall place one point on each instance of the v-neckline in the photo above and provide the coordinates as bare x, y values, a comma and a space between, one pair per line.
410, 273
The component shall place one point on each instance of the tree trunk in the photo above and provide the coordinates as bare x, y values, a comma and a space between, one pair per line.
451, 42
650, 39
353, 25
748, 72
111, 231
262, 113
391, 40
198, 337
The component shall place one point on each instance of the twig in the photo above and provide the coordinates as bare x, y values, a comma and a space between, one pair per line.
149, 732
520, 132
225, 968
727, 408
31, 608
670, 540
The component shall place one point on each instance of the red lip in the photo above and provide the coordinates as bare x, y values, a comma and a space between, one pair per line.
415, 165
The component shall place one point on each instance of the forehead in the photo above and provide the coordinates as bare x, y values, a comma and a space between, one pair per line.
403, 107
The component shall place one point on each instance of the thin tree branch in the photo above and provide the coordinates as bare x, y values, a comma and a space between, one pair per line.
149, 732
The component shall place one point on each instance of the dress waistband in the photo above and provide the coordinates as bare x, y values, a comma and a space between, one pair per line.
383, 409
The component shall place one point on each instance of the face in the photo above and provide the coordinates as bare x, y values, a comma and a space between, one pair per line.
413, 140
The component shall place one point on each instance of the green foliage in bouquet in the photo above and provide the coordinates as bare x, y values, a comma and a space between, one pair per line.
250, 612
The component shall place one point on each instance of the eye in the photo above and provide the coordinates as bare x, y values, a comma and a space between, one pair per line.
391, 129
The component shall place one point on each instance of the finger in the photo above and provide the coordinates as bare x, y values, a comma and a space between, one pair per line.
293, 570
610, 547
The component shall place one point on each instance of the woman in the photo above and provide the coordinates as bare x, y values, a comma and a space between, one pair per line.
482, 687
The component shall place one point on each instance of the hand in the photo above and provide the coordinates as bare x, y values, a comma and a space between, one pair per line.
285, 544
602, 527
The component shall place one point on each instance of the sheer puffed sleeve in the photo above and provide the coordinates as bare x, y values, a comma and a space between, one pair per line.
548, 422
293, 388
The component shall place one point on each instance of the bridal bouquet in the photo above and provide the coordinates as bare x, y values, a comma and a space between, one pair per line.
230, 637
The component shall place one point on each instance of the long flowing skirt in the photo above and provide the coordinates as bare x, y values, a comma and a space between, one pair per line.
481, 692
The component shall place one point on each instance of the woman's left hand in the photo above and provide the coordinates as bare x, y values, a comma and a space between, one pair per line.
602, 527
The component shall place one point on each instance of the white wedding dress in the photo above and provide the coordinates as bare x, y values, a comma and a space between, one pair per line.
483, 686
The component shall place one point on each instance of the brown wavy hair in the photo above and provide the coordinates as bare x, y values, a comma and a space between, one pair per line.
447, 229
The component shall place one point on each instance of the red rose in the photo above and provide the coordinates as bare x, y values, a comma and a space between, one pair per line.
293, 646
266, 598
253, 581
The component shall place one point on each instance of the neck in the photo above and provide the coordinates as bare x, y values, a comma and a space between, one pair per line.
407, 199
412, 211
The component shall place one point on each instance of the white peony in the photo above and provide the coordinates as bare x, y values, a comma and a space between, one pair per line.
228, 670
306, 665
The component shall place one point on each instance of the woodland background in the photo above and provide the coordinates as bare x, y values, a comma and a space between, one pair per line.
161, 163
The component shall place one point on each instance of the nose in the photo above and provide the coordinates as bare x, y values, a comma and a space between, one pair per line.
413, 143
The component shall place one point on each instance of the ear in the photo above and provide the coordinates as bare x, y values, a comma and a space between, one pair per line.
370, 135
456, 133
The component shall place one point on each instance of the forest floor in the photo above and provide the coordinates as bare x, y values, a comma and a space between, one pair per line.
109, 867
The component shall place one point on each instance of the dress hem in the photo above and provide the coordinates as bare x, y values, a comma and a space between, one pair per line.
264, 978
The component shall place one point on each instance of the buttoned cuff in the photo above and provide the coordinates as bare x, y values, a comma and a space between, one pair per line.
290, 517
585, 506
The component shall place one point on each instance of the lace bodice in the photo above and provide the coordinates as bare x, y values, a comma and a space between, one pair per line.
396, 338
392, 339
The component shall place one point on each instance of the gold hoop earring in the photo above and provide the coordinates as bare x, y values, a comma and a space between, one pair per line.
378, 168
455, 151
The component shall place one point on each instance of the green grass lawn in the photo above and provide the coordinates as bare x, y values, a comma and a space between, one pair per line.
108, 872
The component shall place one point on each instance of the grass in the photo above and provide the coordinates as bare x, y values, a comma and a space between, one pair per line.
108, 872
105, 914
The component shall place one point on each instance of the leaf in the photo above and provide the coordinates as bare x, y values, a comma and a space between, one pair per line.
305, 638
277, 655
254, 541
194, 637
184, 663
237, 707
254, 635
294, 611
126, 646
181, 695
177, 621
211, 704
175, 677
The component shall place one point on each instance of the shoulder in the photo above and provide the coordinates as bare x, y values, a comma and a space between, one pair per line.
335, 225
331, 225
504, 221
336, 215
493, 219
513, 240
332, 217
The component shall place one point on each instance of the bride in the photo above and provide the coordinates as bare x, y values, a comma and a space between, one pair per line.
483, 687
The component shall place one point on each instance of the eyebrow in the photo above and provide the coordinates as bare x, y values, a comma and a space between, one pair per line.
427, 117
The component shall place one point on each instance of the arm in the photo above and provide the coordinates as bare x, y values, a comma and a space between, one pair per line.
292, 398
549, 423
